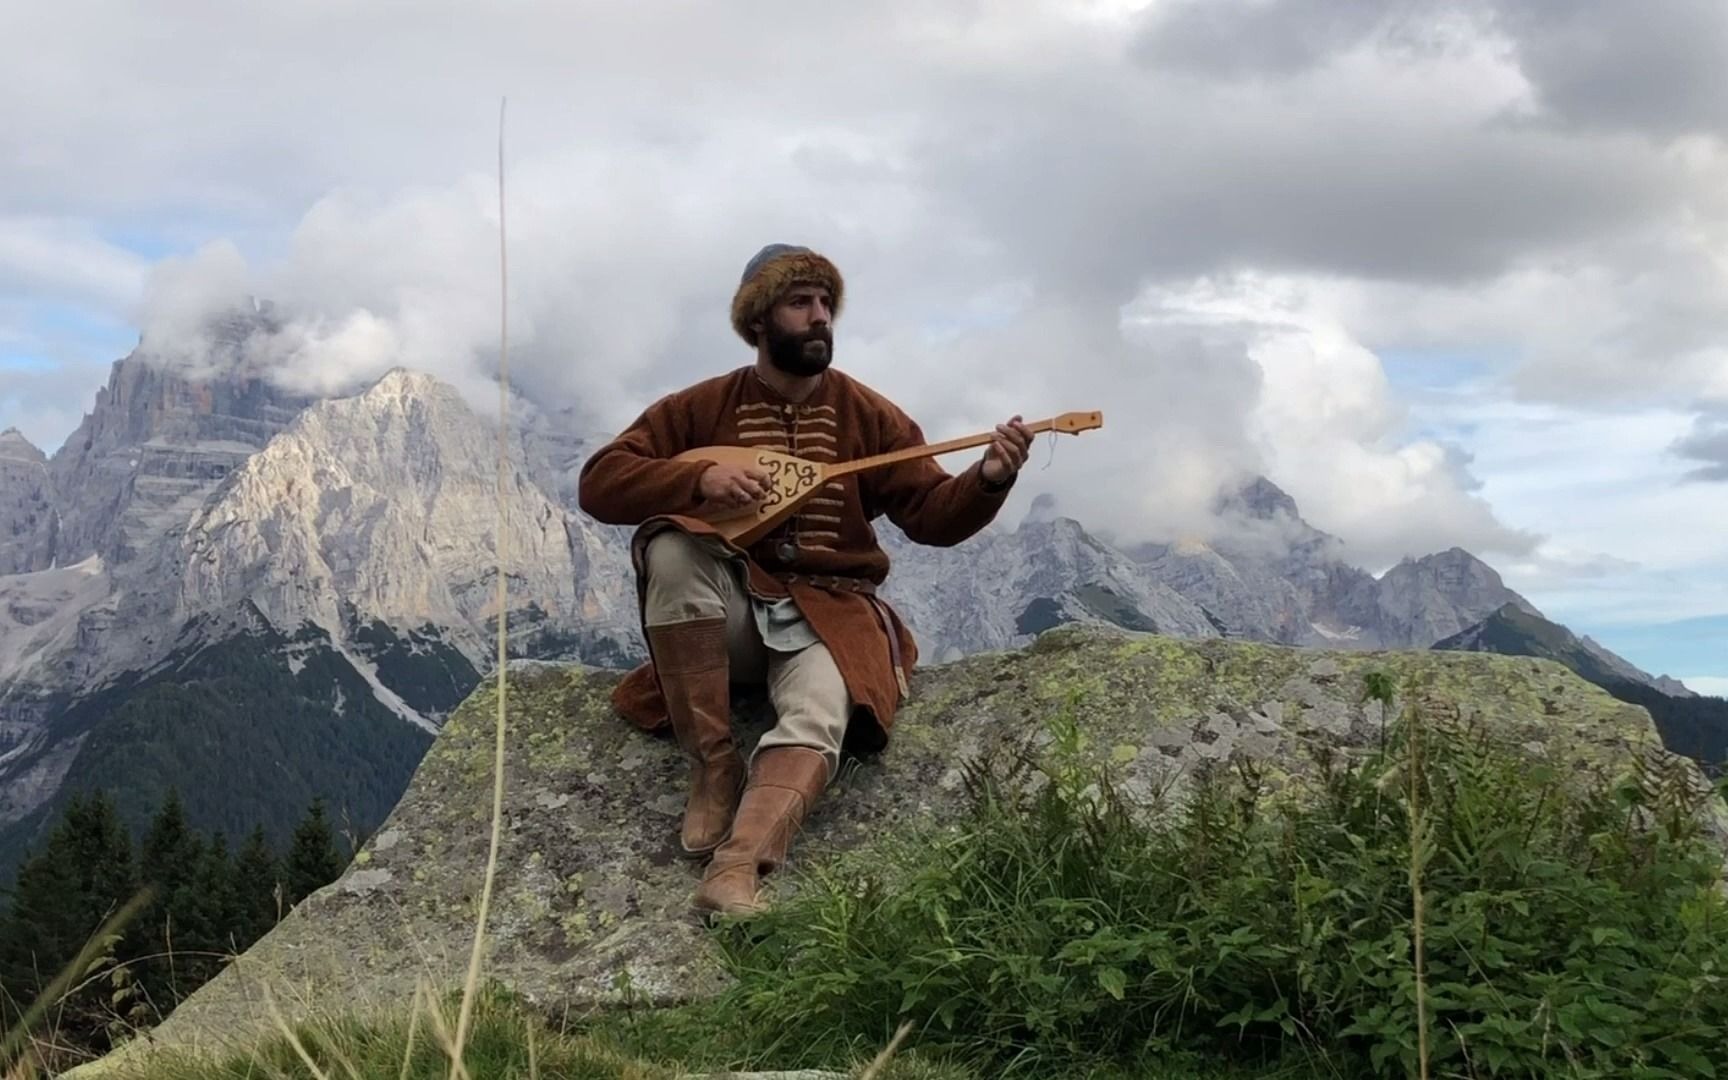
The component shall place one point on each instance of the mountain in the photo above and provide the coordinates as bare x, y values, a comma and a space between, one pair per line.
1689, 723
1269, 575
29, 521
159, 438
1511, 631
1002, 588
95, 602
383, 508
214, 572
249, 724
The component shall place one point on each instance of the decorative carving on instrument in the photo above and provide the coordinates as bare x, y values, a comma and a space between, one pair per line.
789, 478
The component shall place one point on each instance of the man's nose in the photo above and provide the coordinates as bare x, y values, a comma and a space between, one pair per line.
819, 312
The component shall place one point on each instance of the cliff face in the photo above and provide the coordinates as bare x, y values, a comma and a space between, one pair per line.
153, 445
591, 888
29, 520
385, 506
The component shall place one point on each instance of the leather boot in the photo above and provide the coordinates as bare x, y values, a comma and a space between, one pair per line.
785, 783
690, 659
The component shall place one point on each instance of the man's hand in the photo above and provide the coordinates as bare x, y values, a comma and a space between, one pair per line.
733, 485
1007, 452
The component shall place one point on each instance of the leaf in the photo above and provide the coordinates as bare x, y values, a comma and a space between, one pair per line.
1573, 1018
1114, 981
1690, 1057
1610, 1012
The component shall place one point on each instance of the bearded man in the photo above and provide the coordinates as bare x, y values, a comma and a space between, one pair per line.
798, 608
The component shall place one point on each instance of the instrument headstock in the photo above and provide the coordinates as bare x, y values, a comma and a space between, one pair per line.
1075, 422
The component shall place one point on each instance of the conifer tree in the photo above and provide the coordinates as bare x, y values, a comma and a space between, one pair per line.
260, 889
64, 894
206, 912
36, 937
169, 864
312, 858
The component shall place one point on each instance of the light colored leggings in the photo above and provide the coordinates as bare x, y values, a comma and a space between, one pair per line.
687, 579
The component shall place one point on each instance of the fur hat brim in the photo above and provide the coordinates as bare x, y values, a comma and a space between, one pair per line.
758, 293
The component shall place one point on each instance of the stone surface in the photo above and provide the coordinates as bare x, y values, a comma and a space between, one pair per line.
29, 518
591, 893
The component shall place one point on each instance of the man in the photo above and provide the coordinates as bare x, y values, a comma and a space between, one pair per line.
798, 608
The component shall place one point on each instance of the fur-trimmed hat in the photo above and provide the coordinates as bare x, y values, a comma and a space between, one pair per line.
770, 273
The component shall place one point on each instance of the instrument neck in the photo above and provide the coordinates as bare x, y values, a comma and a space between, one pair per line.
912, 453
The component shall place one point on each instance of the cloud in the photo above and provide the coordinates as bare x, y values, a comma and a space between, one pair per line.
1207, 219
1327, 428
47, 403
1230, 39
1706, 442
1654, 67
1708, 685
62, 260
1592, 484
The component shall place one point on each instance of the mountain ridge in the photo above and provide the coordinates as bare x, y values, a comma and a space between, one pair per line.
1692, 724
203, 511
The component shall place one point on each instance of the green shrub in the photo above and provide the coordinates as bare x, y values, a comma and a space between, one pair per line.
1572, 927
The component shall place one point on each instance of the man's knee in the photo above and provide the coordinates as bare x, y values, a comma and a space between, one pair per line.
684, 579
672, 553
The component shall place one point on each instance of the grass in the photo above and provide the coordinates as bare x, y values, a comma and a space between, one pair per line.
509, 1040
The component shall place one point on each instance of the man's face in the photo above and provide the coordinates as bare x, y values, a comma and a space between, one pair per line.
797, 332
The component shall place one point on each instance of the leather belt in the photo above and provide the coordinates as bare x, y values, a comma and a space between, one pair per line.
827, 581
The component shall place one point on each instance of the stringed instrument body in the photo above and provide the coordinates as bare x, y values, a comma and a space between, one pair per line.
793, 481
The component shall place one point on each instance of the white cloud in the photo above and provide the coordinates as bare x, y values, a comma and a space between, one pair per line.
62, 259
1708, 685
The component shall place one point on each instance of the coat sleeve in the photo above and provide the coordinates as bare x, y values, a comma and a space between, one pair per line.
629, 479
927, 503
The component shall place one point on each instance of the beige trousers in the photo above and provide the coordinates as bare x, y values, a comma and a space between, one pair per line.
687, 579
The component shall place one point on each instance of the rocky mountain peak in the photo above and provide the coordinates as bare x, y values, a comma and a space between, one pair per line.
1441, 594
400, 383
15, 447
1258, 499
384, 506
1454, 568
1042, 511
155, 444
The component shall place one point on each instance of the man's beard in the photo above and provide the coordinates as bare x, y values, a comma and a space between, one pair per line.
795, 355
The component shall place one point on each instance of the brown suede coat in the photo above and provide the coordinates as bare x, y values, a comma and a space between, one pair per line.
837, 562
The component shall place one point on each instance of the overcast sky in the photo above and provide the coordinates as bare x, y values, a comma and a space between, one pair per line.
1450, 273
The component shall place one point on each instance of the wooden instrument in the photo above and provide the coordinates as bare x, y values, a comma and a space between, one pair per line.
794, 480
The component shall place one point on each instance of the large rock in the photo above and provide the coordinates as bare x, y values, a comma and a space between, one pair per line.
591, 893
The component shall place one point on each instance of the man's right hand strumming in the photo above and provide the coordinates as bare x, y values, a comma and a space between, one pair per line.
733, 485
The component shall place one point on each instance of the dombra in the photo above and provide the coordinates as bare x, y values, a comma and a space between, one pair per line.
794, 480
